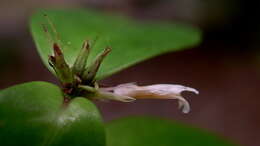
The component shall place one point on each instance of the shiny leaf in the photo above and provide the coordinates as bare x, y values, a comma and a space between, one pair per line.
131, 41
34, 114
147, 131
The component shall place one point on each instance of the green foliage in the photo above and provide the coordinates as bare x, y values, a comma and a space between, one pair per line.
34, 114
131, 42
146, 131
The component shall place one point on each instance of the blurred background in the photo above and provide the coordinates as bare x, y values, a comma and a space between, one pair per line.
225, 67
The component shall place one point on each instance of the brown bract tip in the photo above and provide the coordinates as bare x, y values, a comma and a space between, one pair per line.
52, 59
57, 50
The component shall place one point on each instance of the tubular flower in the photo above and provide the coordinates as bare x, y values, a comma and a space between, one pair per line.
130, 91
80, 78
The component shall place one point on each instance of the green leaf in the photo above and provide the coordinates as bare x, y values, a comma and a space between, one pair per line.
34, 114
131, 41
147, 131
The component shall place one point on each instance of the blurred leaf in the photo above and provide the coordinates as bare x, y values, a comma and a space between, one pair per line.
144, 131
131, 42
34, 114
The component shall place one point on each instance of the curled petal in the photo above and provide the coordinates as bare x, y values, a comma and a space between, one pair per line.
168, 89
184, 105
157, 91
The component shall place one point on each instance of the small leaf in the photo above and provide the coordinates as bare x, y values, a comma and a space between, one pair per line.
131, 41
34, 114
147, 131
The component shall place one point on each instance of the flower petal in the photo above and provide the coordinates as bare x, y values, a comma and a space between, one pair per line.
164, 89
184, 105
112, 96
157, 91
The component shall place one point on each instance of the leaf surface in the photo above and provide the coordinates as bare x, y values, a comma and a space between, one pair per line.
147, 131
33, 114
131, 41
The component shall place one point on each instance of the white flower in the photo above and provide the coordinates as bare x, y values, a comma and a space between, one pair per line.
130, 91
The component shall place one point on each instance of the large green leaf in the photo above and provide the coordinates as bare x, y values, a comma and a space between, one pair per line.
144, 131
131, 42
34, 114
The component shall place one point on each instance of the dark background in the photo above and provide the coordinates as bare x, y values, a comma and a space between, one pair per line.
225, 67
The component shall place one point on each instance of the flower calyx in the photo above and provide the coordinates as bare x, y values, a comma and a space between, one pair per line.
79, 74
